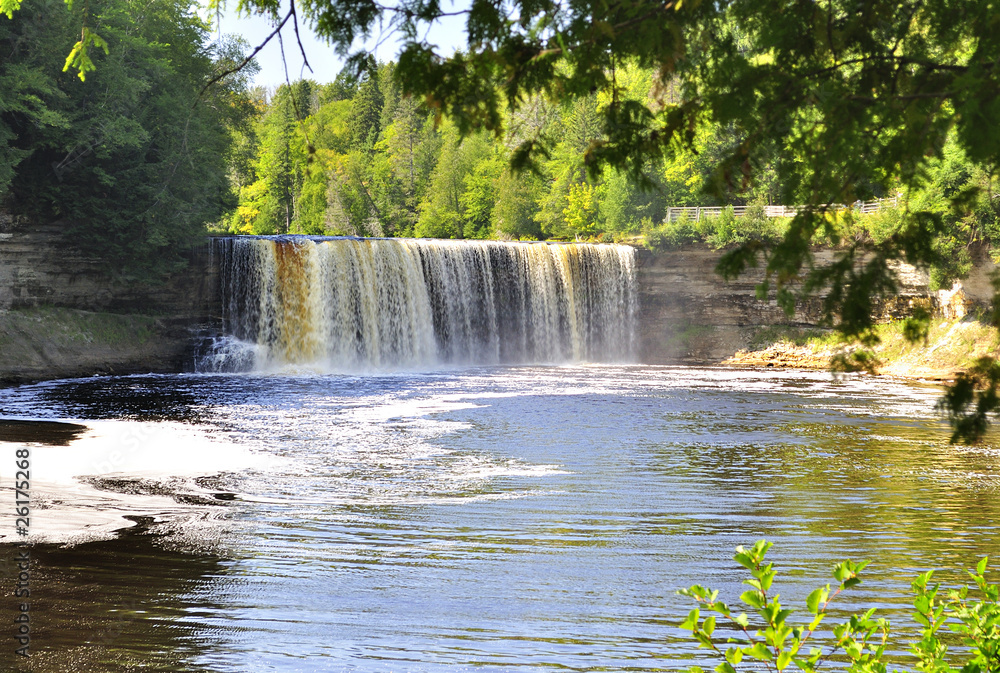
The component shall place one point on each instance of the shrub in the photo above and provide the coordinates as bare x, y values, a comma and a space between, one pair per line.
670, 234
881, 224
774, 644
725, 229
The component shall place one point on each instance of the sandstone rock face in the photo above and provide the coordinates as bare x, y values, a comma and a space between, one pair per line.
39, 267
62, 314
687, 313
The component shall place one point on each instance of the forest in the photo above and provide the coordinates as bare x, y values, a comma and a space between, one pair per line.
134, 157
356, 157
139, 157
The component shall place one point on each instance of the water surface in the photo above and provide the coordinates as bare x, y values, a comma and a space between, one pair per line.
531, 518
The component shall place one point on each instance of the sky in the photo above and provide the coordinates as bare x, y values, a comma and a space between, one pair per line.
325, 64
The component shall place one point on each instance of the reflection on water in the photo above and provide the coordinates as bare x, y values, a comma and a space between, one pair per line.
539, 518
40, 432
113, 605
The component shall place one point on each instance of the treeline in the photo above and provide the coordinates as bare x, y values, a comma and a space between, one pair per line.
961, 193
134, 160
356, 157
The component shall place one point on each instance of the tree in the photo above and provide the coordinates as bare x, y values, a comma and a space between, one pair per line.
366, 111
126, 160
442, 213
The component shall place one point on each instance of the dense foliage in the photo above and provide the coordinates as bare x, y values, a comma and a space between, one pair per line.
359, 157
132, 160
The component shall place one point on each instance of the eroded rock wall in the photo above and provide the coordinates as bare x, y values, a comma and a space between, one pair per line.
39, 267
52, 299
689, 315
62, 315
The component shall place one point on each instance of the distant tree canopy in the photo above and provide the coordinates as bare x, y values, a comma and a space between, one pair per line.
357, 157
131, 159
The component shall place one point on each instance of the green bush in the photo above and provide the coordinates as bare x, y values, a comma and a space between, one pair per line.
718, 232
671, 234
770, 642
881, 224
725, 229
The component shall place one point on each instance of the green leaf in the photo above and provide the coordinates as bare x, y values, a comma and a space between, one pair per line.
784, 659
816, 621
920, 583
691, 622
8, 7
734, 655
753, 598
760, 652
781, 616
981, 566
79, 56
744, 559
817, 598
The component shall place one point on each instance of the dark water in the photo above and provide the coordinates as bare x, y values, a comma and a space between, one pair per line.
490, 519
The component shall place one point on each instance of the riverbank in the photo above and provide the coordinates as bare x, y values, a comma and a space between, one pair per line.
951, 347
51, 343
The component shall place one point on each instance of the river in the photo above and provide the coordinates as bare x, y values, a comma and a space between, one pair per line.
535, 518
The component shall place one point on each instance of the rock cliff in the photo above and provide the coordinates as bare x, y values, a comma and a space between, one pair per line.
62, 315
689, 315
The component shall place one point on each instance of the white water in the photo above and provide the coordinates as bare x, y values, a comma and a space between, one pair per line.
115, 473
376, 304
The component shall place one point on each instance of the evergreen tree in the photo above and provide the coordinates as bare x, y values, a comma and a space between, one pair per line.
366, 111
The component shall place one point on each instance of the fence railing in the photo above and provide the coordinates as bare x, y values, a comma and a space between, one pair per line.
695, 213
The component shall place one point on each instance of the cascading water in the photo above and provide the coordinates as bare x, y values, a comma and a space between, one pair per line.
358, 304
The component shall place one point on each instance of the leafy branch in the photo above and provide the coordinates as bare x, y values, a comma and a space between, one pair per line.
79, 55
862, 639
777, 643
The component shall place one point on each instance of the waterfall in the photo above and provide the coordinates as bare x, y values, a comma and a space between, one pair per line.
346, 304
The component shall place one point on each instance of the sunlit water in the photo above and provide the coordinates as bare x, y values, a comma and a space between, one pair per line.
528, 518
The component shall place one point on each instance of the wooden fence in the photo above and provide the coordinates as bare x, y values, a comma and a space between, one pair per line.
695, 213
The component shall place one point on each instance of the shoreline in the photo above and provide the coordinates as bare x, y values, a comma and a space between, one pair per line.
950, 347
48, 343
